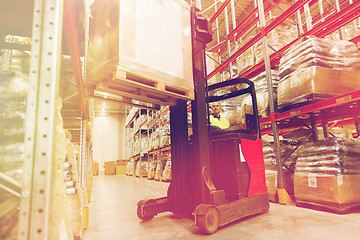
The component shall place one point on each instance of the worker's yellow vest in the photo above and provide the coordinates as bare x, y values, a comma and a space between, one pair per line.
221, 123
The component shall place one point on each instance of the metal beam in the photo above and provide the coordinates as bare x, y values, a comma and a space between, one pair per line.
39, 163
72, 38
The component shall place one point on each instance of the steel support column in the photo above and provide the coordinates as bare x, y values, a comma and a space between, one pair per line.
271, 95
40, 134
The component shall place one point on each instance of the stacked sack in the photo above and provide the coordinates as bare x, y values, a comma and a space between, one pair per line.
317, 66
327, 173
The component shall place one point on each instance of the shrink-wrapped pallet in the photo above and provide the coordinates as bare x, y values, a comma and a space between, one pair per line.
262, 95
167, 169
160, 164
59, 209
327, 173
165, 136
286, 148
13, 93
131, 167
147, 38
142, 168
152, 168
314, 69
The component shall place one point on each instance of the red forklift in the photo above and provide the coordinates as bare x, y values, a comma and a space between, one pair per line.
218, 175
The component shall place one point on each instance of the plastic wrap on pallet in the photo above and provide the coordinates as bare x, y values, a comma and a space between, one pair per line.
165, 136
318, 66
286, 148
142, 168
330, 156
140, 121
156, 138
167, 169
327, 173
262, 95
131, 167
13, 93
59, 200
144, 142
160, 164
152, 169
143, 44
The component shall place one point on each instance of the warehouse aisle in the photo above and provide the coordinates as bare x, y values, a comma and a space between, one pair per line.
113, 216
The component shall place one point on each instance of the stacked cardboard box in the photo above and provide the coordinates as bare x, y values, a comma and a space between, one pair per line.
110, 168
316, 68
327, 173
95, 168
121, 167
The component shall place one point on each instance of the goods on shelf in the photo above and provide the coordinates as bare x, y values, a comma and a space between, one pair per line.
13, 93
73, 195
123, 43
60, 205
160, 164
95, 168
142, 168
286, 148
262, 96
140, 122
165, 136
131, 167
327, 173
110, 167
120, 167
155, 139
167, 170
319, 68
152, 167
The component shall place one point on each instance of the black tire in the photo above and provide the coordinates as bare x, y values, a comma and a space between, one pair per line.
209, 223
141, 214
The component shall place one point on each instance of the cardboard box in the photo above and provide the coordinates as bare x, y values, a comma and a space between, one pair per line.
95, 168
121, 162
110, 168
120, 169
317, 80
123, 36
333, 190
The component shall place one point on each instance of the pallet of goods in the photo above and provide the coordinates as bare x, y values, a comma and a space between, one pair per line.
315, 69
110, 167
327, 174
288, 155
141, 56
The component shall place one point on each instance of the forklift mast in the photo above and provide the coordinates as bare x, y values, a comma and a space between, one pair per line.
218, 176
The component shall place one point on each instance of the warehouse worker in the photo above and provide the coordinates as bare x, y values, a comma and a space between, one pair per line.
215, 119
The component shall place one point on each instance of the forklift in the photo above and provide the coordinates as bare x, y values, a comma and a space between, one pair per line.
218, 175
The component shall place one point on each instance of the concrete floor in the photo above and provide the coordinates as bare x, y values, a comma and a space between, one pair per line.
113, 216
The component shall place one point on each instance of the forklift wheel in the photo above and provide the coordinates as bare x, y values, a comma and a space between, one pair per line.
209, 222
140, 212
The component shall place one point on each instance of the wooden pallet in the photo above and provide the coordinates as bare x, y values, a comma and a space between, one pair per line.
130, 87
328, 206
304, 100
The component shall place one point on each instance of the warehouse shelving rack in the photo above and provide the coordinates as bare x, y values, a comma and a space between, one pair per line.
45, 26
320, 21
154, 120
